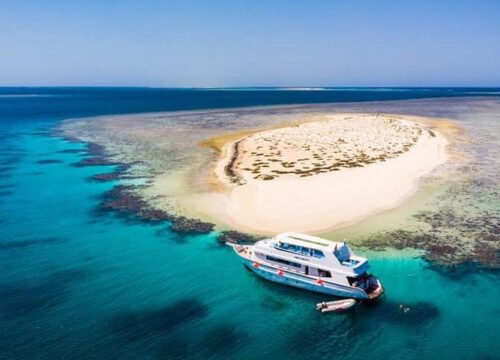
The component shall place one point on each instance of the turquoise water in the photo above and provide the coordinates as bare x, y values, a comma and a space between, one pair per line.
77, 282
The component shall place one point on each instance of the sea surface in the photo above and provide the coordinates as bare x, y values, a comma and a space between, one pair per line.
77, 282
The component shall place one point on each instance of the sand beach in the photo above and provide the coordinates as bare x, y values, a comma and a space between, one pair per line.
321, 175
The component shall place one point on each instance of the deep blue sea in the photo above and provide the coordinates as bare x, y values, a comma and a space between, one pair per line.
77, 283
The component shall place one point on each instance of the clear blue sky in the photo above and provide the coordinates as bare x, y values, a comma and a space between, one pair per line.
250, 43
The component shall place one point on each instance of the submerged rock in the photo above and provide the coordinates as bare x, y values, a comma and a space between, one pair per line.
122, 198
72, 151
95, 161
115, 175
107, 177
236, 237
184, 225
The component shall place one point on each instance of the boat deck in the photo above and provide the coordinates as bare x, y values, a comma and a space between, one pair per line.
243, 251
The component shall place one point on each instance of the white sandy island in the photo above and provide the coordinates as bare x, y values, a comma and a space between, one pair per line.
321, 175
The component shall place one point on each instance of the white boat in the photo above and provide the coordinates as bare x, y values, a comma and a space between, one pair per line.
311, 263
336, 306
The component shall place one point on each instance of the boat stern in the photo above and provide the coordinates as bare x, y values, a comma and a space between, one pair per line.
375, 290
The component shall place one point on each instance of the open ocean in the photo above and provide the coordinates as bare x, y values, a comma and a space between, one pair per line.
79, 283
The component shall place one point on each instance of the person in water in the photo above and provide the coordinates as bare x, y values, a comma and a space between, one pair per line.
403, 308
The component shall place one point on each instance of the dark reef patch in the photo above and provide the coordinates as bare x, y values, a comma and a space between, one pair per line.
111, 176
223, 339
124, 200
72, 151
137, 325
462, 224
49, 161
463, 271
4, 193
220, 340
7, 169
27, 297
95, 161
97, 156
174, 348
23, 244
236, 237
184, 225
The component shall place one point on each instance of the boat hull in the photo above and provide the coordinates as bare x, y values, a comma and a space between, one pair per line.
305, 283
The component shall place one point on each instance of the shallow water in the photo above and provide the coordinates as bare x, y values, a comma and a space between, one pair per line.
454, 216
80, 283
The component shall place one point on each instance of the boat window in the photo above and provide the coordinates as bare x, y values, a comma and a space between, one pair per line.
283, 261
353, 281
304, 250
324, 273
301, 250
350, 262
317, 253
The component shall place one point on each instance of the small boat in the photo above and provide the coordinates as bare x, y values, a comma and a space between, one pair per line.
311, 263
336, 306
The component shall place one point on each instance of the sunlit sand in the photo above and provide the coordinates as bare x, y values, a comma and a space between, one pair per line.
321, 175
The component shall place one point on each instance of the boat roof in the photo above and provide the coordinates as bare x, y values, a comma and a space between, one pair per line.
306, 240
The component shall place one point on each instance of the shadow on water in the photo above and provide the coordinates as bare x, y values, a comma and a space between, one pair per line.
273, 304
329, 335
23, 244
220, 340
223, 339
27, 297
137, 325
411, 315
340, 334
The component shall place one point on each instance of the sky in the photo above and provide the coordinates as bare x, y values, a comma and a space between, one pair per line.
194, 43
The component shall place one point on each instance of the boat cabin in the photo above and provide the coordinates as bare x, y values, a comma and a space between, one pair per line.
310, 255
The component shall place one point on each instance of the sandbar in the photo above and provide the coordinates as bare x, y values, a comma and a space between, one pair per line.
323, 174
